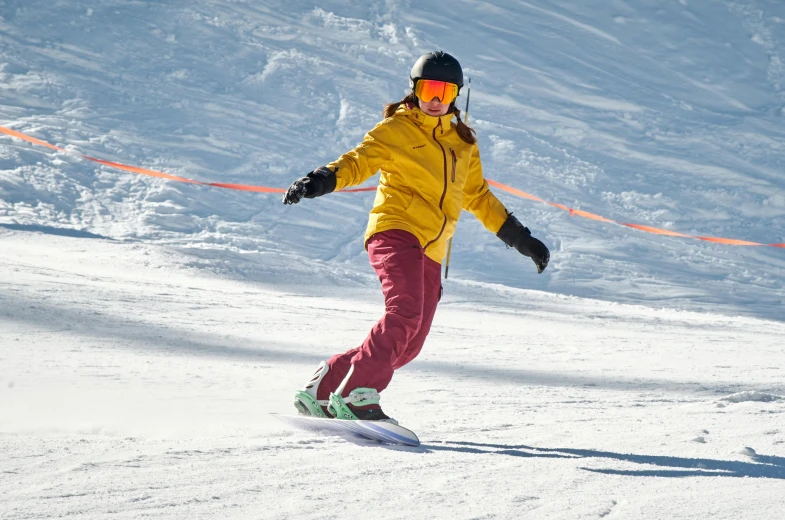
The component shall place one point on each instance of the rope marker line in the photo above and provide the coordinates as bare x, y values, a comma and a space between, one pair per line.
154, 173
265, 189
648, 229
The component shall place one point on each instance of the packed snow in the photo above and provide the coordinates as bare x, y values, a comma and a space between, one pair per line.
148, 329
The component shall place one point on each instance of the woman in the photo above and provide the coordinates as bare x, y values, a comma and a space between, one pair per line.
430, 171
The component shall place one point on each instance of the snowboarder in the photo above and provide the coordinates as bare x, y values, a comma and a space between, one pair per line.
430, 171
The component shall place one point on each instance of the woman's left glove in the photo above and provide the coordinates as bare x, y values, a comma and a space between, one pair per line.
319, 182
516, 235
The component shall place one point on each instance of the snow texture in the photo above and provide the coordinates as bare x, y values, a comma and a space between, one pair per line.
149, 328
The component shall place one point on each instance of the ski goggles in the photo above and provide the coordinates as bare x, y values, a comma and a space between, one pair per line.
427, 89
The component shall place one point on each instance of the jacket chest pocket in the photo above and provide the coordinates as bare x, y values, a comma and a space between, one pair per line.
454, 161
457, 166
457, 171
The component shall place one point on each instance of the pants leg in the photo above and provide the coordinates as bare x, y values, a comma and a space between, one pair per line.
432, 285
400, 263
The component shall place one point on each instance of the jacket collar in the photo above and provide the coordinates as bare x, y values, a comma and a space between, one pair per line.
423, 120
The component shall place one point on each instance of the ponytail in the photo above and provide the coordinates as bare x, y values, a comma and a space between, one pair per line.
390, 108
465, 132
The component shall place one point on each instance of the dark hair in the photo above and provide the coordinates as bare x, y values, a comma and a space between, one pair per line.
465, 132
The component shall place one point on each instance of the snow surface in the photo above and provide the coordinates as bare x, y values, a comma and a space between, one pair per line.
148, 328
135, 382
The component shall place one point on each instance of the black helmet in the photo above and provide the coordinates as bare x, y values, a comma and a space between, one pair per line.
438, 66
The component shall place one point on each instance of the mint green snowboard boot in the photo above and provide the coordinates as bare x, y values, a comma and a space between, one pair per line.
305, 400
361, 404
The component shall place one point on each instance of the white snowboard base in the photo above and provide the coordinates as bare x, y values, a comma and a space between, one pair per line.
381, 431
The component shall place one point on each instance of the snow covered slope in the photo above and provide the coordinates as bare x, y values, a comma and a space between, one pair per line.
135, 384
148, 328
667, 114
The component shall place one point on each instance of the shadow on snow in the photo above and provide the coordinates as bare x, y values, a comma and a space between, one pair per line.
51, 230
764, 466
136, 334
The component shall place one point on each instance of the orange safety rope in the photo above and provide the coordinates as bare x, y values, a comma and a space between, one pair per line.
648, 229
504, 187
154, 173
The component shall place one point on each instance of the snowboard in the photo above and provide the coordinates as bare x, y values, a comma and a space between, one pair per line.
381, 431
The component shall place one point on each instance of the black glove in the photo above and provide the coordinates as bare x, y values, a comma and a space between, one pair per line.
319, 182
516, 235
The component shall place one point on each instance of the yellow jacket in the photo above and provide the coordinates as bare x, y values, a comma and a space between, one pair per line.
428, 175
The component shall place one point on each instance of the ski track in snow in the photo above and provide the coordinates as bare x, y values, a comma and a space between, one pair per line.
148, 328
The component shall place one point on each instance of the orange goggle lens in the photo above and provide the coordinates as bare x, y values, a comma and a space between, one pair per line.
427, 89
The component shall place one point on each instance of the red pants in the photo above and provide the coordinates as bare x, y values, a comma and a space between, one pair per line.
411, 283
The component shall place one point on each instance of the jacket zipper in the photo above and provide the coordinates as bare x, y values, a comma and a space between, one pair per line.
444, 193
454, 163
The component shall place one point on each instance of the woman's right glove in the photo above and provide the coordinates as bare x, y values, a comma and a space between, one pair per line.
319, 182
516, 235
